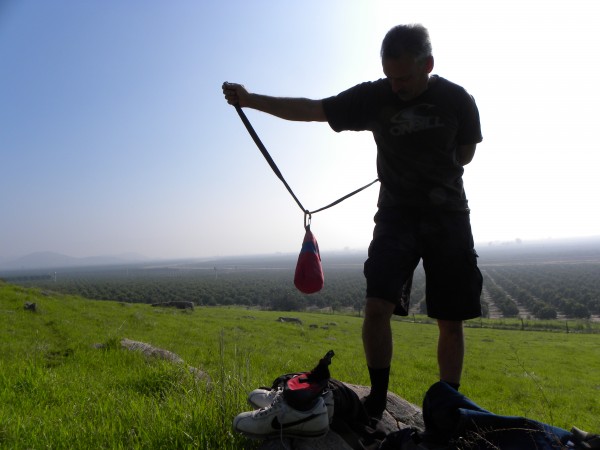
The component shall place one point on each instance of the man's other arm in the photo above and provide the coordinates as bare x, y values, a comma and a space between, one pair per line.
465, 153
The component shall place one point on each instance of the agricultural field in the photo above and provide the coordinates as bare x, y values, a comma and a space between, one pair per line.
67, 382
541, 283
526, 282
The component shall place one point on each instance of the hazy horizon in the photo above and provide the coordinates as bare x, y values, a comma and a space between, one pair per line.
116, 138
49, 259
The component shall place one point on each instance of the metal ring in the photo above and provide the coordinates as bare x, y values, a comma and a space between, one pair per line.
307, 219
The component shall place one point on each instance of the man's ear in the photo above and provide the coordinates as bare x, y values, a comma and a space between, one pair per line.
429, 64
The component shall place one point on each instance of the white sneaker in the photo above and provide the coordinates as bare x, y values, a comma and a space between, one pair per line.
260, 398
279, 419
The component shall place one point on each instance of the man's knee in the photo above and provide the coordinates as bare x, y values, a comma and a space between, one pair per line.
378, 309
450, 327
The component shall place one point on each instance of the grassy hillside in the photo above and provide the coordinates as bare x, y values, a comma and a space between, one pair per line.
65, 381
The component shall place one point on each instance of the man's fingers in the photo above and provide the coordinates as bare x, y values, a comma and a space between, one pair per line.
231, 93
231, 98
235, 94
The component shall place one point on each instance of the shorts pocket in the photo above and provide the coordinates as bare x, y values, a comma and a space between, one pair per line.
477, 278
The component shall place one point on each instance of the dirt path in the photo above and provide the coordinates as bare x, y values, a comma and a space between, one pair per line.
523, 311
493, 311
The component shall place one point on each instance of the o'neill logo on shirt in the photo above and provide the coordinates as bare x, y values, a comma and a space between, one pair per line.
415, 118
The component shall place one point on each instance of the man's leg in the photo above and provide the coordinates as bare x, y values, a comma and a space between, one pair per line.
377, 342
453, 288
451, 351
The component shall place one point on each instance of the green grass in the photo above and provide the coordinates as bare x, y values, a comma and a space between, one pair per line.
60, 389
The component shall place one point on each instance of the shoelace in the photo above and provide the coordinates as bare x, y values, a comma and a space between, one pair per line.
274, 393
276, 404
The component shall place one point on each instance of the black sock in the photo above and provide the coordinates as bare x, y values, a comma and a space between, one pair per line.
376, 401
455, 386
379, 382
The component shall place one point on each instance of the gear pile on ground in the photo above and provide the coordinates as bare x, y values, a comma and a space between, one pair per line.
450, 422
310, 410
343, 424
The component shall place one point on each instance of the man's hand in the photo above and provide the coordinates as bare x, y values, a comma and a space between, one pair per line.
235, 94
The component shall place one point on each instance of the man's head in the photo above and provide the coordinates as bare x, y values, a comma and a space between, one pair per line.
407, 60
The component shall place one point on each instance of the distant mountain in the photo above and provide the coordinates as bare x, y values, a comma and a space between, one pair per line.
50, 260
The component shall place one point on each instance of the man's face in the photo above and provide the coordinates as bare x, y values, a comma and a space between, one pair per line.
407, 77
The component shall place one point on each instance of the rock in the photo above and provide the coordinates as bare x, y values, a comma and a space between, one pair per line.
160, 353
399, 413
331, 441
290, 320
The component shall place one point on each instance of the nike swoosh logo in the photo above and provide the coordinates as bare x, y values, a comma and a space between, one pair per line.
278, 426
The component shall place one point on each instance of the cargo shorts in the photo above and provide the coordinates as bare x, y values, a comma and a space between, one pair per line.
444, 241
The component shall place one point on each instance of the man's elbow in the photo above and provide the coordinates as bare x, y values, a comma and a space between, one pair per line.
465, 160
466, 154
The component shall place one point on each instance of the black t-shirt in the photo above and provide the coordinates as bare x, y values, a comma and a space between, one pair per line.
416, 140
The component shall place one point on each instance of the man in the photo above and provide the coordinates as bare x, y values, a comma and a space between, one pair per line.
426, 129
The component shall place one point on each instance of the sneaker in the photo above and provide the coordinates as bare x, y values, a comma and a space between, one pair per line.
261, 397
279, 419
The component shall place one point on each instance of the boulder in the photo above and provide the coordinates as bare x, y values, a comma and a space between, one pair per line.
155, 352
290, 320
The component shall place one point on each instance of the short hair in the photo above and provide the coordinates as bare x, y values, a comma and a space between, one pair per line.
412, 39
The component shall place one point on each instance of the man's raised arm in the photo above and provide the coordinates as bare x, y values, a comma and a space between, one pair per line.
299, 109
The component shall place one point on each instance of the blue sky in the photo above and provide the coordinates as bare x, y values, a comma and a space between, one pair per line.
115, 137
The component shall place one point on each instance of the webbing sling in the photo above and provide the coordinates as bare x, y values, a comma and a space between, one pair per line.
263, 150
